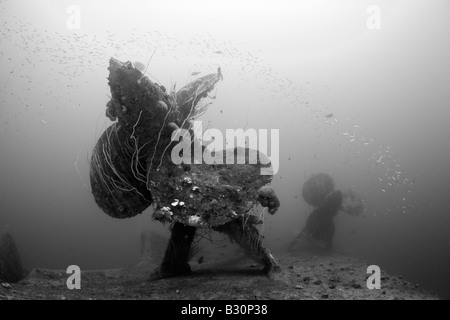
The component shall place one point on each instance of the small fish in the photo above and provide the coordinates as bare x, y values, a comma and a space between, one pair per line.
201, 260
329, 115
195, 73
218, 52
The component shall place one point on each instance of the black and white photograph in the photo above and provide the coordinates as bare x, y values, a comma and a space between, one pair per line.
222, 154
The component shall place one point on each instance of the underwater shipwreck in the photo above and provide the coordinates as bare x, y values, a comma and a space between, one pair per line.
131, 168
